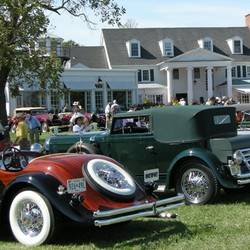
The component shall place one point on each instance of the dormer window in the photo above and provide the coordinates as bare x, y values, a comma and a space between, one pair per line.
236, 45
133, 48
167, 47
206, 43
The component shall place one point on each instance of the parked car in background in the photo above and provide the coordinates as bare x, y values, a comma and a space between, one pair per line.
193, 149
45, 117
85, 189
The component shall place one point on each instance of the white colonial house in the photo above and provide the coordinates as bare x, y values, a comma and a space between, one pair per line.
153, 64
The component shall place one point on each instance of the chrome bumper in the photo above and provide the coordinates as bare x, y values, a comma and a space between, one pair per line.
104, 218
244, 179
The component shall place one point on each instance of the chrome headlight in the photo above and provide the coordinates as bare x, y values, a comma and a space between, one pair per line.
237, 156
110, 178
46, 144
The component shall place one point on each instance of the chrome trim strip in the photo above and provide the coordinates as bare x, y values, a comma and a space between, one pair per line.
242, 176
109, 213
111, 221
163, 209
242, 182
179, 197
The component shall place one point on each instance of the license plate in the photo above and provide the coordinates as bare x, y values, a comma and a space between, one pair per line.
76, 185
151, 175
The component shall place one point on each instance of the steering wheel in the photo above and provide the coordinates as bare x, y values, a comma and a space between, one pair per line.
13, 159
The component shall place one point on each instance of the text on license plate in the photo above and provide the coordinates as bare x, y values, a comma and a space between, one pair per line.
76, 185
151, 175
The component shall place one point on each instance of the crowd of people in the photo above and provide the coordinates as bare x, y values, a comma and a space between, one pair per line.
28, 127
210, 101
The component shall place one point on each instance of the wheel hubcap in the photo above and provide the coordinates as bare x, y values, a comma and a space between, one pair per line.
195, 185
29, 217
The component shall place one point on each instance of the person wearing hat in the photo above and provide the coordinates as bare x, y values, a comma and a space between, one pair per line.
78, 124
22, 133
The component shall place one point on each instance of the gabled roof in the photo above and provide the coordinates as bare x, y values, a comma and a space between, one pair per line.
185, 39
90, 57
199, 54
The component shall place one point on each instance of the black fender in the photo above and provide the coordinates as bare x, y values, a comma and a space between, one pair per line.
48, 186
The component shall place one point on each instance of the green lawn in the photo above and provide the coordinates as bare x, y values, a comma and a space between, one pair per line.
223, 225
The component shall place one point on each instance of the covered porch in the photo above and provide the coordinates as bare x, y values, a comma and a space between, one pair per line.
199, 73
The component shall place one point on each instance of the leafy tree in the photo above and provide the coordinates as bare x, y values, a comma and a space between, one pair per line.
70, 43
22, 23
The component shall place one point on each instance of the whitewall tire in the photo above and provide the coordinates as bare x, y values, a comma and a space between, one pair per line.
31, 218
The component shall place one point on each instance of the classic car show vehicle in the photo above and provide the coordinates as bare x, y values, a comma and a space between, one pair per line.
195, 149
45, 117
85, 189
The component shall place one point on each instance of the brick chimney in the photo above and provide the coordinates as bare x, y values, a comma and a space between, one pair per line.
247, 20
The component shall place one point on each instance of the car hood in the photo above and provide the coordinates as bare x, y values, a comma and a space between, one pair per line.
224, 147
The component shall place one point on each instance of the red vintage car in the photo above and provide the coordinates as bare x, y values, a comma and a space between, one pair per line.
86, 189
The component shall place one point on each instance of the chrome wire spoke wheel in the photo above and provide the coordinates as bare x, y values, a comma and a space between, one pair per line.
195, 185
31, 218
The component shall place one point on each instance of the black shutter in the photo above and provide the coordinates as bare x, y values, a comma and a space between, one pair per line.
152, 77
238, 71
139, 75
244, 71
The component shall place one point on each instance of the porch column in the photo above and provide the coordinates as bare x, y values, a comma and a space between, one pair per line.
209, 82
134, 96
170, 84
229, 81
93, 107
190, 92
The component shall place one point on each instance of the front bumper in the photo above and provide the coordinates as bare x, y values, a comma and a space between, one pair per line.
243, 179
109, 217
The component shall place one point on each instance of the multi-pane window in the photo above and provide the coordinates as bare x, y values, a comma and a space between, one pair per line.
19, 101
129, 100
54, 100
244, 98
197, 73
134, 49
237, 46
110, 96
207, 44
168, 48
156, 99
99, 101
88, 101
248, 71
145, 75
159, 99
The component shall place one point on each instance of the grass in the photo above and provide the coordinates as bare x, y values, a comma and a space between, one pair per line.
223, 225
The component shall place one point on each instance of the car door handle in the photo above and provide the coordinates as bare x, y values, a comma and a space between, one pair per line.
149, 148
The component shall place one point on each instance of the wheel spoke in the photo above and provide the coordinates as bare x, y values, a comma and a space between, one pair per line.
195, 185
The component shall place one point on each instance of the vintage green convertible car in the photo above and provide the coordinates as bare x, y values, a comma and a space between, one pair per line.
193, 149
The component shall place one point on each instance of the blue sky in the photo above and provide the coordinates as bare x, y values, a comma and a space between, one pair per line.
157, 13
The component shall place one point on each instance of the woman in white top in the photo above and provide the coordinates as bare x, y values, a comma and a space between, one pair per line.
79, 126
